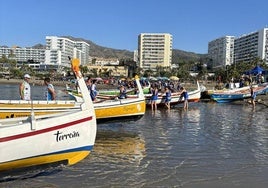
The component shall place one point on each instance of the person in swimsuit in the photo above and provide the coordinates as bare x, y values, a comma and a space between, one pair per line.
252, 96
154, 97
168, 97
185, 95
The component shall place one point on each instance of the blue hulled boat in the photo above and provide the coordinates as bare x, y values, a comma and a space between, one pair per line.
226, 97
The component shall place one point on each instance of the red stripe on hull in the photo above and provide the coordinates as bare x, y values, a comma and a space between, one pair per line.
14, 137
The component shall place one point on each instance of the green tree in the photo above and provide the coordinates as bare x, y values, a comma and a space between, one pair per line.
84, 69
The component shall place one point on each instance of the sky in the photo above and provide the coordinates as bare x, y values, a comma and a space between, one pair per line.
117, 23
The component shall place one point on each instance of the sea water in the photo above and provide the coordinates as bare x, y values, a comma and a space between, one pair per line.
209, 145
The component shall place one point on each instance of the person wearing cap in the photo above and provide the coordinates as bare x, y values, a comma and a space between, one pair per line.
25, 88
50, 93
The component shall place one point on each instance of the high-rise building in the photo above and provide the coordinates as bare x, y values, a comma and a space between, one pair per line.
82, 51
251, 46
221, 51
59, 48
23, 54
30, 56
154, 50
246, 48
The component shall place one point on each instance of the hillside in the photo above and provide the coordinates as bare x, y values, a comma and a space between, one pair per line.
100, 51
179, 56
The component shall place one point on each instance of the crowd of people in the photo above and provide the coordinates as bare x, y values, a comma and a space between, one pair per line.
169, 87
157, 89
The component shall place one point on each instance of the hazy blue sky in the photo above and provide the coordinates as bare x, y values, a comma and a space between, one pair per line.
117, 23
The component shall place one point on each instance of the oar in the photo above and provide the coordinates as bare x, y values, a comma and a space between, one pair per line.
100, 101
106, 97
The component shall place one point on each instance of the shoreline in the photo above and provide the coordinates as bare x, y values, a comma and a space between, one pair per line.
262, 99
35, 82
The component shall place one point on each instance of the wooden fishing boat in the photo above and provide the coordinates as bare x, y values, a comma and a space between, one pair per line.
234, 95
66, 137
176, 98
107, 107
21, 108
227, 90
105, 92
110, 108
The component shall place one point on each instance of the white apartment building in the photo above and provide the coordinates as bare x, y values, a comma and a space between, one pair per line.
221, 51
154, 50
23, 54
246, 48
82, 51
251, 46
59, 48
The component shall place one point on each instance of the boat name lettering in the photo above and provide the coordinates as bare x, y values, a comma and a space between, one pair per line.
60, 136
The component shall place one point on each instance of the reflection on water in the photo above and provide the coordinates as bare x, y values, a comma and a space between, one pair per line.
209, 145
126, 147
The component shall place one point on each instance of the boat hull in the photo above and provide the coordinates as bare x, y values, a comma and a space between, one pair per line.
109, 110
240, 94
176, 98
52, 140
38, 140
119, 109
225, 98
18, 108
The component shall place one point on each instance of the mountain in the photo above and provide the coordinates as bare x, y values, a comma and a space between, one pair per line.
183, 56
100, 51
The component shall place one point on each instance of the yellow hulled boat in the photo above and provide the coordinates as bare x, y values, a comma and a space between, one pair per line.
106, 109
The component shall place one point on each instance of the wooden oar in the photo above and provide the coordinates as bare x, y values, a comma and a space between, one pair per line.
107, 97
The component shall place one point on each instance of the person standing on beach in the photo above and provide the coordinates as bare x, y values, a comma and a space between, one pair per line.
154, 97
168, 97
25, 88
50, 93
252, 96
185, 95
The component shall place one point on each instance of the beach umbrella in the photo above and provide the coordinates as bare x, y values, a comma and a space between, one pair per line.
174, 78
